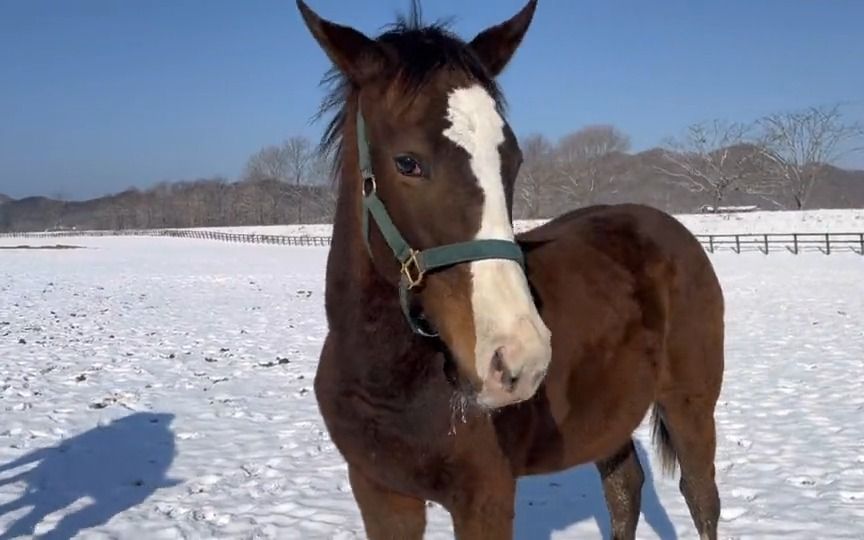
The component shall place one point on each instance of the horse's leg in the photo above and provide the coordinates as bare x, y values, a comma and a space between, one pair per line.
386, 514
622, 478
486, 512
690, 424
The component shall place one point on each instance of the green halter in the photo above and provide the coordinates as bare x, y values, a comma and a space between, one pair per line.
416, 263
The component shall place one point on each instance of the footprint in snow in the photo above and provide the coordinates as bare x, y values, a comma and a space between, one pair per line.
747, 494
732, 513
856, 497
801, 481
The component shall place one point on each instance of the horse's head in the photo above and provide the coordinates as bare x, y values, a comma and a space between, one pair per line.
444, 161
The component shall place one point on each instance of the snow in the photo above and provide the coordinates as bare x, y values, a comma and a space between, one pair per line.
775, 222
765, 222
161, 388
809, 221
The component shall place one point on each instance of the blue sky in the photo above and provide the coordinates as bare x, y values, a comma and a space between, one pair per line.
100, 95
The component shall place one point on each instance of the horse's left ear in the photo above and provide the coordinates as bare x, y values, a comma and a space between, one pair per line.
495, 45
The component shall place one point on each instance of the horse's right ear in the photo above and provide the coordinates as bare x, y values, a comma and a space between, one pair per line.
357, 56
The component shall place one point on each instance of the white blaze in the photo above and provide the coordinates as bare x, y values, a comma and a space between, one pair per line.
501, 302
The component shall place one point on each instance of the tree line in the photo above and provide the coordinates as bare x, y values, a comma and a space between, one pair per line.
783, 160
774, 162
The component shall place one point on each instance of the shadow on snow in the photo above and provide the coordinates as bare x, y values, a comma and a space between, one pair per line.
549, 503
116, 467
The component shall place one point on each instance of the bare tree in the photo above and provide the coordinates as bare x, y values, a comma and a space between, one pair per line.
292, 162
320, 169
322, 201
579, 158
318, 193
299, 154
593, 141
269, 163
715, 157
535, 176
799, 143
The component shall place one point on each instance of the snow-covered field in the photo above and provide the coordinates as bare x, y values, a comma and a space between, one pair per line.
808, 221
158, 388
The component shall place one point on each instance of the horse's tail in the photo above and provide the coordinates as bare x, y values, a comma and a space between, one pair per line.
662, 440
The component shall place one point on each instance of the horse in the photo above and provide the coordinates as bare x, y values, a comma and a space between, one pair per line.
460, 356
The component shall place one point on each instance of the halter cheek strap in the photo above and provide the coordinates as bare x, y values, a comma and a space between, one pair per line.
416, 263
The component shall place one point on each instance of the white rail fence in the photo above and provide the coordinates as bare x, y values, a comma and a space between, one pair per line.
826, 243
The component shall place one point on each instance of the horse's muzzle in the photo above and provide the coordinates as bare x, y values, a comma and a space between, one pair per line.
515, 371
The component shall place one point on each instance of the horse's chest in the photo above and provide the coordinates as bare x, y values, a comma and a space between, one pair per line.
405, 445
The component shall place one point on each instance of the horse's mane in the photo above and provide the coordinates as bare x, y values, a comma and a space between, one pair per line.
422, 49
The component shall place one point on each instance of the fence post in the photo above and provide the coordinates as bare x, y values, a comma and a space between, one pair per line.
766, 244
827, 244
737, 244
711, 243
861, 239
795, 242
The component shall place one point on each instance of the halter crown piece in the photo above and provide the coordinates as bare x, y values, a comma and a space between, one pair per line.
416, 263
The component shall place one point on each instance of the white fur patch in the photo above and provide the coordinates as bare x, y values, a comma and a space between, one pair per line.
476, 126
501, 302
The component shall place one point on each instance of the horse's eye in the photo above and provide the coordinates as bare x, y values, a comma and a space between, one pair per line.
408, 166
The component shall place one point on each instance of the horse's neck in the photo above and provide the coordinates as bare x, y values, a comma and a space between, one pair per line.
362, 307
363, 310
358, 297
349, 268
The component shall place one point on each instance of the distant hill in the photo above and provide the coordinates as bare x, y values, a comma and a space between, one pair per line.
5, 198
840, 188
639, 178
618, 177
202, 203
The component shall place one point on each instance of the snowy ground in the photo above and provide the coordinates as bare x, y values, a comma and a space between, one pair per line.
785, 222
161, 388
809, 221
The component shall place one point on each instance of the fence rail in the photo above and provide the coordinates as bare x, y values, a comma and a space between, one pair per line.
284, 240
796, 243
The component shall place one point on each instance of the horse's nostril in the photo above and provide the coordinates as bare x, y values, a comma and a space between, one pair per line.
498, 361
508, 380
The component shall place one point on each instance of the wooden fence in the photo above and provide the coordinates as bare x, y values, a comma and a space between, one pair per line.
319, 241
312, 241
826, 243
795, 243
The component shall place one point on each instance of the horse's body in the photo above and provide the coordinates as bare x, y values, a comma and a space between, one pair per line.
636, 319
636, 315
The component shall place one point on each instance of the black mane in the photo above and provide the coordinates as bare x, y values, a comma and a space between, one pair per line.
422, 49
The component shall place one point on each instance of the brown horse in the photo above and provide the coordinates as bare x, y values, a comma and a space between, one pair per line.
453, 364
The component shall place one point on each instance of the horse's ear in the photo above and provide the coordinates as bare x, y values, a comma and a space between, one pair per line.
495, 45
357, 56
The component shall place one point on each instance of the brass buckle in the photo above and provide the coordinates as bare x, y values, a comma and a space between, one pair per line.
412, 280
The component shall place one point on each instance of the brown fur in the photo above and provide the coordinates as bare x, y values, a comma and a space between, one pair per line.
636, 316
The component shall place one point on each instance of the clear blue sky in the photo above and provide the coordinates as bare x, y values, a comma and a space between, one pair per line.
100, 95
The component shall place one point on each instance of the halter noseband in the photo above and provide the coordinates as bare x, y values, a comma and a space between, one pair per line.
416, 263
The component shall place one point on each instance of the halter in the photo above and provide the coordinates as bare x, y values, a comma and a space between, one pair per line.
416, 263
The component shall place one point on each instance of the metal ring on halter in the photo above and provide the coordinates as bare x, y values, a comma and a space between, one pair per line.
370, 183
412, 281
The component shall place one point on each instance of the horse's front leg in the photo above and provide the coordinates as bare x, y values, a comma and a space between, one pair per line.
387, 515
485, 511
622, 478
